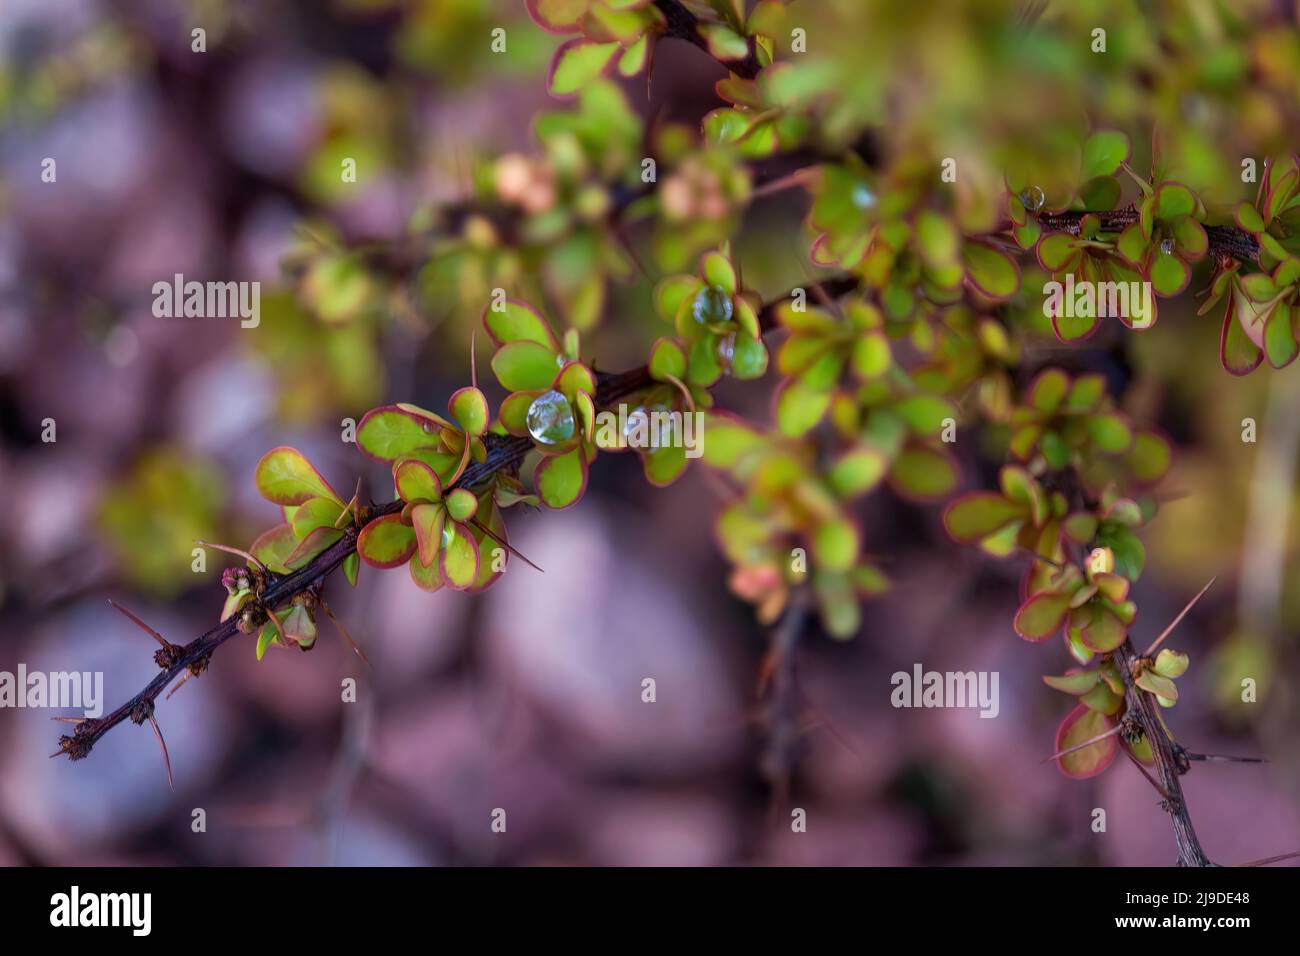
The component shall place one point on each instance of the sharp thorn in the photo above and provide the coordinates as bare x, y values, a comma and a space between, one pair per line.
167, 760
142, 625
229, 550
1181, 614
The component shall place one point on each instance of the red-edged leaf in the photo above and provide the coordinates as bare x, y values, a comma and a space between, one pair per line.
386, 542
1079, 725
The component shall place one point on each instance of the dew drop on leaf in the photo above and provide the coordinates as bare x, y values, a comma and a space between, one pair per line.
1032, 198
550, 418
726, 351
712, 304
863, 197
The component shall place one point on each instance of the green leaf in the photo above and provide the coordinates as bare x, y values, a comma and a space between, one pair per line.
1237, 353
470, 408
872, 355
518, 322
561, 479
286, 477
1150, 457
748, 356
1057, 253
577, 63
310, 546
514, 411
1157, 684
724, 43
993, 274
351, 566
427, 521
416, 481
1279, 337
718, 271
1100, 193
729, 441
1172, 201
973, 517
1110, 433
1103, 153
1101, 698
1079, 725
702, 366
1042, 615
574, 378
665, 465
1130, 553
1076, 682
923, 473
1132, 244
857, 472
667, 360
1099, 629
386, 542
924, 414
525, 366
1191, 238
1171, 663
799, 408
391, 431
267, 637
459, 560
835, 544
1049, 388
671, 292
314, 513
273, 547
1248, 218
1169, 274
461, 504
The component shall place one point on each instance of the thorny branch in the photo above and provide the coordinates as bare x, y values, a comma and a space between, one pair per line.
1224, 240
504, 453
1169, 766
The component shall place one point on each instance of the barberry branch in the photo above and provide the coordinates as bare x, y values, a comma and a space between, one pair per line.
1168, 765
1223, 240
504, 453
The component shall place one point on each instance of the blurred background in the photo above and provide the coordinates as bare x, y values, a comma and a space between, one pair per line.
224, 164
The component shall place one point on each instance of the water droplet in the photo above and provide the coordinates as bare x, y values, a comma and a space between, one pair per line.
1167, 246
863, 197
550, 418
634, 419
712, 304
726, 351
1032, 198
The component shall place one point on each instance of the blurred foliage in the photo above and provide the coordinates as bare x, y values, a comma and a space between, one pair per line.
164, 503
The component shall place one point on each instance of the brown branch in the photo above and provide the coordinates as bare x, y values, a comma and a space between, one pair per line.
504, 452
779, 693
1224, 240
1168, 766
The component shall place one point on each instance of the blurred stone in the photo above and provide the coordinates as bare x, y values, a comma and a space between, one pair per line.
579, 640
